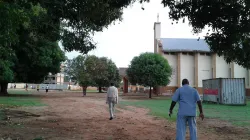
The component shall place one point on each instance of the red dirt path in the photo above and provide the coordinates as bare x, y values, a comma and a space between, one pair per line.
69, 116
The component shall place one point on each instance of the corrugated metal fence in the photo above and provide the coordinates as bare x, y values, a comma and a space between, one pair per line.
231, 91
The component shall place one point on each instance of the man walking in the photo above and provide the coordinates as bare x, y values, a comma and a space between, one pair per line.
37, 87
47, 88
187, 97
112, 99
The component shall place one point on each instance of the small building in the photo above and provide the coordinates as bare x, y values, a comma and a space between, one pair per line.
55, 78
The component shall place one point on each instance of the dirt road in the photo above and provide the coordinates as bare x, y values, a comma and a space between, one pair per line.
72, 117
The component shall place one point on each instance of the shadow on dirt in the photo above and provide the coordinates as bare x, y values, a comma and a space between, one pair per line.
7, 114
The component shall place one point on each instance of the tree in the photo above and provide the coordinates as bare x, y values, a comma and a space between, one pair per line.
79, 70
105, 72
28, 53
31, 29
92, 71
81, 18
228, 21
149, 70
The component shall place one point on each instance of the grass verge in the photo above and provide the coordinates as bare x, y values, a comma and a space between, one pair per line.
237, 115
17, 101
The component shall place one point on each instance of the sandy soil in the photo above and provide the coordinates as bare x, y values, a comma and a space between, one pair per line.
72, 117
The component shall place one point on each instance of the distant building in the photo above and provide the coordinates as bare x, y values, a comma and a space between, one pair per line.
55, 78
192, 59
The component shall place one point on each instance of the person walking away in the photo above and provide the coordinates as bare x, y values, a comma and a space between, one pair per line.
112, 99
187, 97
26, 87
37, 87
47, 89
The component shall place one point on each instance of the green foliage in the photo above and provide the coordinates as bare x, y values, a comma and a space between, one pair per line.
29, 48
85, 77
149, 69
105, 72
81, 18
92, 71
30, 30
17, 101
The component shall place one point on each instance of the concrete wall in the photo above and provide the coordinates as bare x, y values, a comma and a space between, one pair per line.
222, 68
172, 60
157, 35
197, 67
204, 68
187, 69
240, 72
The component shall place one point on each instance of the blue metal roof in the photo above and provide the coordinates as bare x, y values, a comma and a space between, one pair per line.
184, 45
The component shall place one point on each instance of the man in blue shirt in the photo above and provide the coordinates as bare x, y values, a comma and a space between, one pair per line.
187, 97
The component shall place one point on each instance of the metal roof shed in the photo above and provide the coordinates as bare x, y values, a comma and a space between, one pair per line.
229, 91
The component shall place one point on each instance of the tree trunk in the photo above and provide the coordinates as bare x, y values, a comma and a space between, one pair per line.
84, 91
150, 96
4, 87
100, 89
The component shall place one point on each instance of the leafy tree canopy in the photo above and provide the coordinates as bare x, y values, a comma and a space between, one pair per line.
149, 70
81, 18
30, 30
92, 71
228, 20
106, 72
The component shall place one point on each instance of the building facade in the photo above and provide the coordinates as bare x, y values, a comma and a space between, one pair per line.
55, 78
192, 59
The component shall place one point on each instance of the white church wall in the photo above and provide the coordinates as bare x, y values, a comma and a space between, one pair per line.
240, 72
222, 68
204, 68
172, 60
187, 67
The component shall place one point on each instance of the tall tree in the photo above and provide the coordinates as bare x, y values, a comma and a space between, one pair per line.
30, 30
79, 69
149, 70
228, 21
29, 52
81, 18
93, 71
105, 72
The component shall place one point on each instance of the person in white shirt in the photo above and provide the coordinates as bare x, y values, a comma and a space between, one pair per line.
112, 99
47, 89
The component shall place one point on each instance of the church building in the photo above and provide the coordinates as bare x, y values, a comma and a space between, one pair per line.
192, 59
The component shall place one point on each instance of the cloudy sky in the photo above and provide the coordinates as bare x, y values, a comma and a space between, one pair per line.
135, 34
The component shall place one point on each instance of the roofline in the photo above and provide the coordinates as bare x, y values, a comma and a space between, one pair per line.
181, 38
176, 50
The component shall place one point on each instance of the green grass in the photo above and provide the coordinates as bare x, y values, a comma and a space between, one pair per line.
88, 91
10, 101
237, 115
19, 92
16, 101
